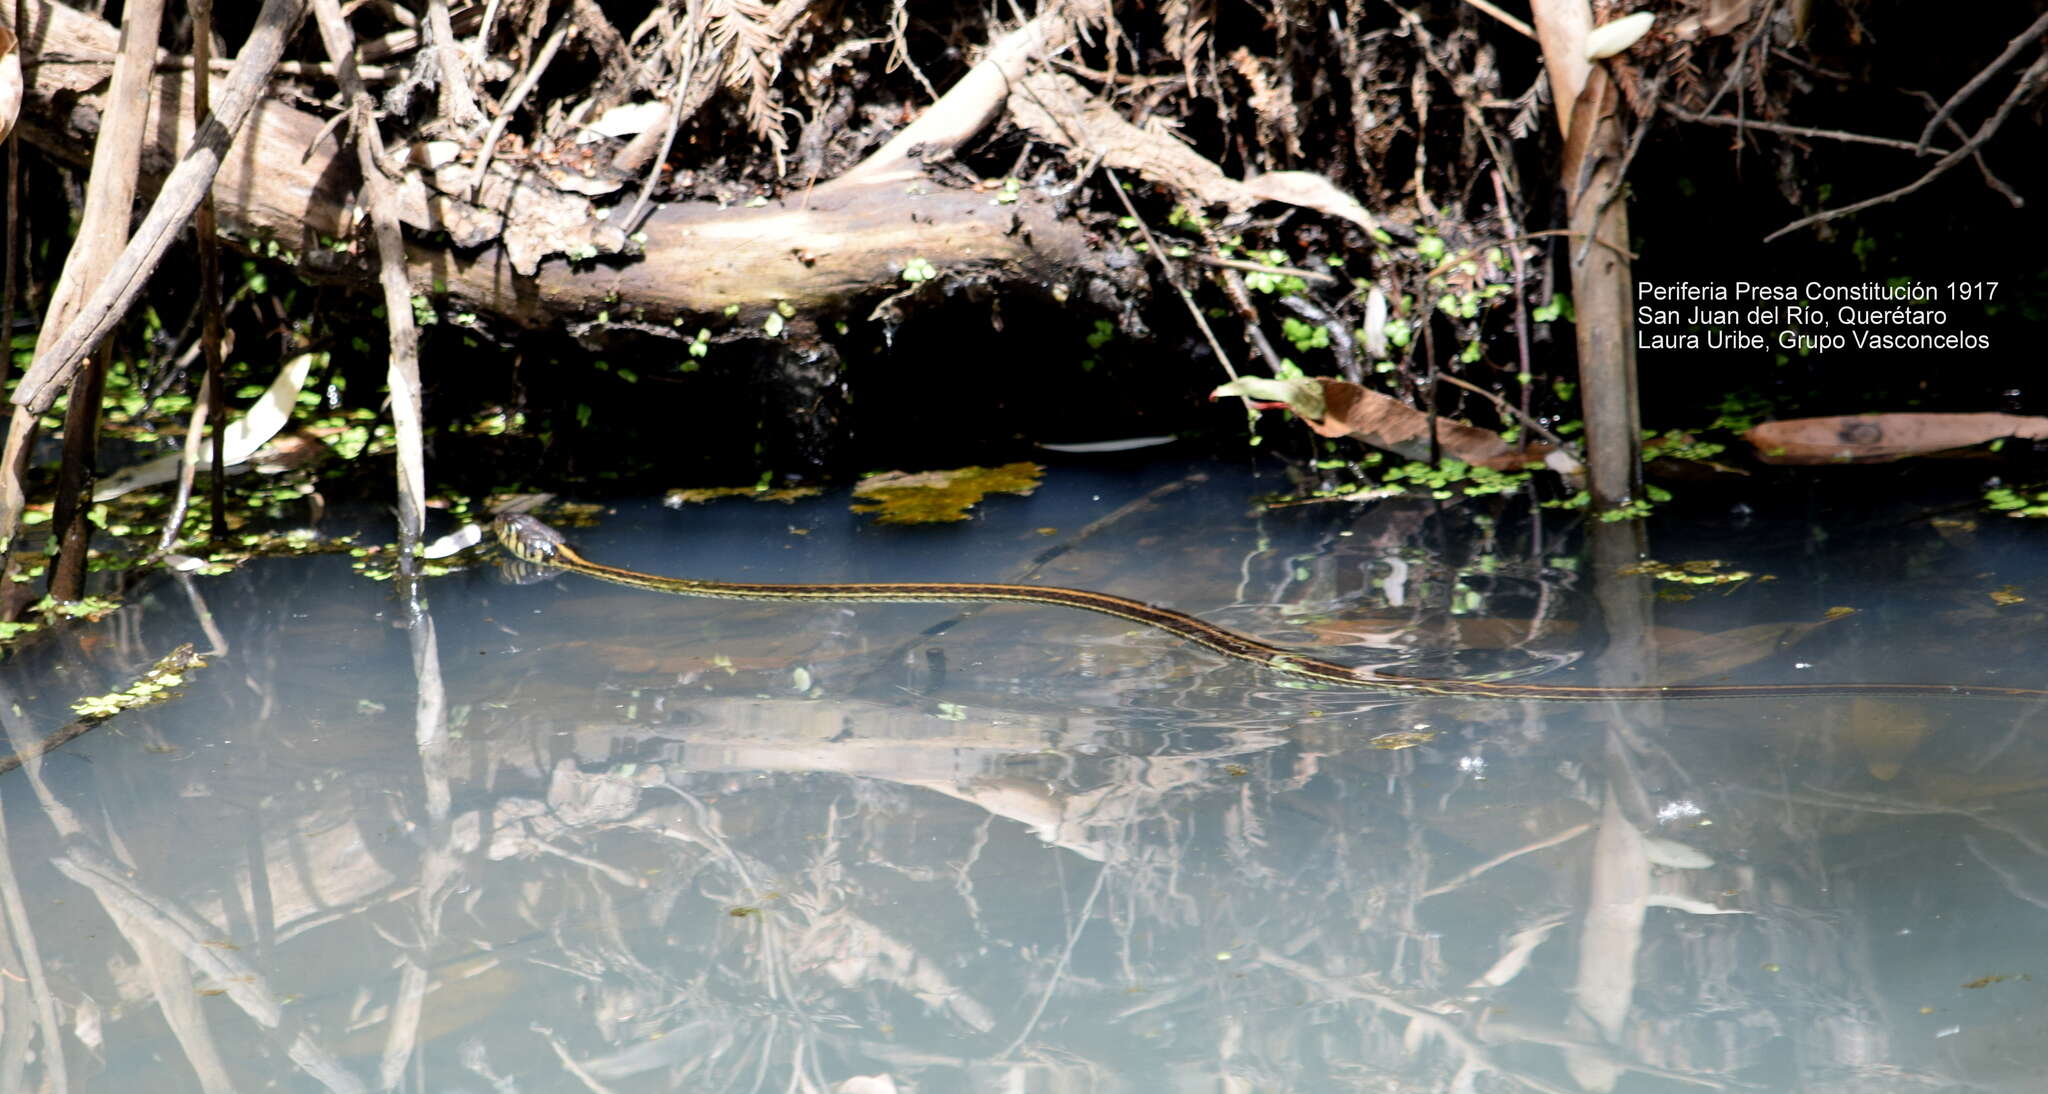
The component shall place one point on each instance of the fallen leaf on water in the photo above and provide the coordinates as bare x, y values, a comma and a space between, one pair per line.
1881, 438
936, 497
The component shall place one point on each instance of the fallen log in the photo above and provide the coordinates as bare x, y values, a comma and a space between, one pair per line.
533, 254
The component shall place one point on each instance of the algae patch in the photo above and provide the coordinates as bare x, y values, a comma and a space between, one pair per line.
936, 497
159, 683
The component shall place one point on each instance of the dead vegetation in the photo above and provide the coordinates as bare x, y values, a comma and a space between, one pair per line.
1374, 183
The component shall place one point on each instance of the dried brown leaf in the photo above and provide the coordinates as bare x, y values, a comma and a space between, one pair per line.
1881, 438
1310, 191
1384, 422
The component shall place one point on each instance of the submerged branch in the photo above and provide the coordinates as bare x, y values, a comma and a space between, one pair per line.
151, 687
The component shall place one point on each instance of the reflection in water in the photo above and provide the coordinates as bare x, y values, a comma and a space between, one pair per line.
571, 837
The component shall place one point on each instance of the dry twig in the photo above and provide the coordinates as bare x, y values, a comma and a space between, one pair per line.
2021, 90
527, 81
403, 372
458, 105
1685, 115
1517, 25
2012, 49
109, 203
207, 231
174, 205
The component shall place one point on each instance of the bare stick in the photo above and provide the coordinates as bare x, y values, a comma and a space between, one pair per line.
404, 370
109, 202
12, 250
1519, 27
1194, 310
179, 62
180, 195
287, 177
2006, 874
23, 929
70, 525
968, 105
541, 60
1984, 133
1526, 376
1793, 130
1059, 969
2012, 49
21, 435
689, 44
1260, 267
458, 106
1572, 833
181, 499
1513, 411
209, 281
1737, 71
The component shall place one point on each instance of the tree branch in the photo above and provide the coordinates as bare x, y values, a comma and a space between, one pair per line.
1984, 133
1983, 77
174, 205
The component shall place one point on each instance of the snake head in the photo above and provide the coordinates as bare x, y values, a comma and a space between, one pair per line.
527, 538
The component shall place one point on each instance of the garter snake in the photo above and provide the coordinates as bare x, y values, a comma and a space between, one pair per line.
529, 540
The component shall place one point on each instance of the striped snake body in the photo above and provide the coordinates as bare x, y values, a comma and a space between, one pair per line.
530, 540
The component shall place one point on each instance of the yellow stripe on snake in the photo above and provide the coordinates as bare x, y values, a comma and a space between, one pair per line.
530, 540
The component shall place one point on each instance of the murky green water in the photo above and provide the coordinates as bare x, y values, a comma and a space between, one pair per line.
575, 837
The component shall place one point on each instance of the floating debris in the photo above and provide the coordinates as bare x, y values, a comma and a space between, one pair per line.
938, 497
154, 686
1393, 742
1702, 571
676, 499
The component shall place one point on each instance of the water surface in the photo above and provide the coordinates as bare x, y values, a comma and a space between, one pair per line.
570, 836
